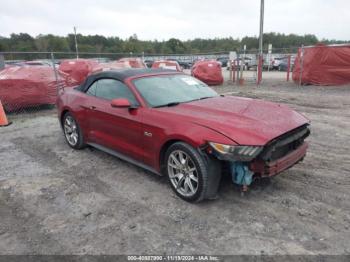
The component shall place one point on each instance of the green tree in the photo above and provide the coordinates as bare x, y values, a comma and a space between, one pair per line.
99, 43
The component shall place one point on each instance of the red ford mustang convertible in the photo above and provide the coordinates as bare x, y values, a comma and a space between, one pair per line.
173, 124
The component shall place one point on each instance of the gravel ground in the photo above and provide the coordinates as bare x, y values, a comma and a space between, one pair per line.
54, 200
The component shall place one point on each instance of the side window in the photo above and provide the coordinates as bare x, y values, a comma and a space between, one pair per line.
92, 89
112, 89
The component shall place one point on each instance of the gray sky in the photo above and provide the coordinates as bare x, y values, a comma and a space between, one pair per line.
183, 19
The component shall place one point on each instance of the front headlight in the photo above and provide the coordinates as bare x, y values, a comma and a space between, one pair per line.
236, 153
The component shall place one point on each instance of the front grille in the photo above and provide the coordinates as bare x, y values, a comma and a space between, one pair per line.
284, 144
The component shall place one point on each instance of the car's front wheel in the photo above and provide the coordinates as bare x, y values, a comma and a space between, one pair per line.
72, 131
188, 173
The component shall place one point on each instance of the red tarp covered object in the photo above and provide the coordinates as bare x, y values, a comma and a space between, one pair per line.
208, 72
77, 70
26, 86
323, 65
173, 65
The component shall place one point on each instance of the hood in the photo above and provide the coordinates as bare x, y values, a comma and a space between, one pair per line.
245, 121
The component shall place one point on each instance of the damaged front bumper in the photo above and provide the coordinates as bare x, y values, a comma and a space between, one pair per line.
244, 173
266, 169
275, 157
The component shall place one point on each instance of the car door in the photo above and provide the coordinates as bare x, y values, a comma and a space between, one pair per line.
119, 129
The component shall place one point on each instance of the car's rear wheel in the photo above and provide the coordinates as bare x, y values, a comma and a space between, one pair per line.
72, 131
187, 172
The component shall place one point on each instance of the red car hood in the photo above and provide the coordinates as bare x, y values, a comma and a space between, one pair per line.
245, 121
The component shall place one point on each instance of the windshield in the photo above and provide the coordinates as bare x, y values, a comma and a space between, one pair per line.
172, 89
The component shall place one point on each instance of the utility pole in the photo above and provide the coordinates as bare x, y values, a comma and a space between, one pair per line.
76, 42
260, 62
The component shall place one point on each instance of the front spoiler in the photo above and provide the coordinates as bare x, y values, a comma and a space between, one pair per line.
267, 169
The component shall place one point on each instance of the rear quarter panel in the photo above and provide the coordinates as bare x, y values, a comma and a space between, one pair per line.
71, 100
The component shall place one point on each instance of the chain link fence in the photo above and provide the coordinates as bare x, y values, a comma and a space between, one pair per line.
29, 81
276, 65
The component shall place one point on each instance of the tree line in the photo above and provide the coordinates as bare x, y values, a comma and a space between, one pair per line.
102, 44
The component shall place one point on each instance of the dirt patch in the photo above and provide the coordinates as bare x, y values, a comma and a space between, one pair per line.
55, 200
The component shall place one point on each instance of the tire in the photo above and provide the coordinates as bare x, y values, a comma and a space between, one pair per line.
72, 131
190, 168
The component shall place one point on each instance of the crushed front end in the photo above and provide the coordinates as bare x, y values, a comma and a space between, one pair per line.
247, 163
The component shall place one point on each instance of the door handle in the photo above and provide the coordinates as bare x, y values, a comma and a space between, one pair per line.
89, 107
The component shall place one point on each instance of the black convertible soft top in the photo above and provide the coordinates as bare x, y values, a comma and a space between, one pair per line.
121, 75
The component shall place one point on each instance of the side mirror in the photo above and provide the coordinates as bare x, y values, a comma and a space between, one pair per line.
120, 103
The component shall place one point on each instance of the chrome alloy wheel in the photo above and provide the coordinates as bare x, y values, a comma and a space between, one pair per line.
70, 130
183, 173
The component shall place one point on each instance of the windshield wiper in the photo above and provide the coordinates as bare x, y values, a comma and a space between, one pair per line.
205, 97
168, 104
201, 98
176, 103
